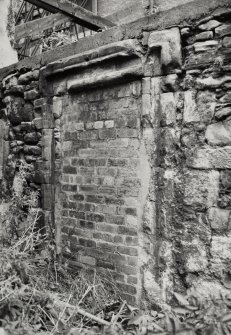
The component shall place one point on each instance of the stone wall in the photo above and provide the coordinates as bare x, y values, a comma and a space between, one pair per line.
129, 140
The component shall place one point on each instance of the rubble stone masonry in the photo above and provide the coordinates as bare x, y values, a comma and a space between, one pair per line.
129, 140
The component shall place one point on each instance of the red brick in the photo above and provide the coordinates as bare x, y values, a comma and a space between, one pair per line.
88, 135
107, 133
118, 239
77, 215
88, 188
117, 162
70, 205
105, 265
108, 171
86, 224
95, 217
114, 201
69, 170
106, 246
87, 243
103, 237
108, 228
127, 250
118, 277
133, 241
132, 280
127, 231
131, 211
132, 261
95, 198
127, 270
115, 219
77, 197
85, 207
129, 298
127, 133
65, 213
69, 188
107, 190
125, 288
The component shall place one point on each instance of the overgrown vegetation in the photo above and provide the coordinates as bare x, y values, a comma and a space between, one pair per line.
39, 295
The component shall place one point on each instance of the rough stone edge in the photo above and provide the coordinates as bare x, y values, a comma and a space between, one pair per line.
181, 16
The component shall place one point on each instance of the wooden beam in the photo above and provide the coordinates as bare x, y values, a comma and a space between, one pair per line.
78, 14
36, 28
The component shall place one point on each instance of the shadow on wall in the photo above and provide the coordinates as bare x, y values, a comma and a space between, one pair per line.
8, 55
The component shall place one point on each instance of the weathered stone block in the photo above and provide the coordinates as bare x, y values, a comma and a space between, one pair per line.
191, 114
32, 138
168, 108
227, 42
209, 158
204, 46
209, 25
223, 112
206, 104
219, 133
31, 95
201, 189
221, 248
206, 35
109, 124
57, 107
195, 256
223, 30
219, 219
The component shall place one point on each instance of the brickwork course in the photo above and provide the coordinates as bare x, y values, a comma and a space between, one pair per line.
128, 134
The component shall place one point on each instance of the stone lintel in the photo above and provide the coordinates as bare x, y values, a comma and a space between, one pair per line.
123, 49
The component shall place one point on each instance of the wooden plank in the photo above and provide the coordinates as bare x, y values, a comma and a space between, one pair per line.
79, 15
36, 28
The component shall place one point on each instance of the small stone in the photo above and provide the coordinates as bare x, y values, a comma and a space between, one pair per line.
32, 150
109, 124
38, 123
219, 133
191, 114
168, 108
206, 104
211, 82
227, 42
204, 46
170, 83
221, 248
31, 95
30, 159
201, 189
98, 124
195, 256
185, 31
57, 107
26, 126
226, 98
219, 219
79, 126
210, 158
206, 35
210, 25
223, 30
225, 180
31, 138
223, 112
15, 110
